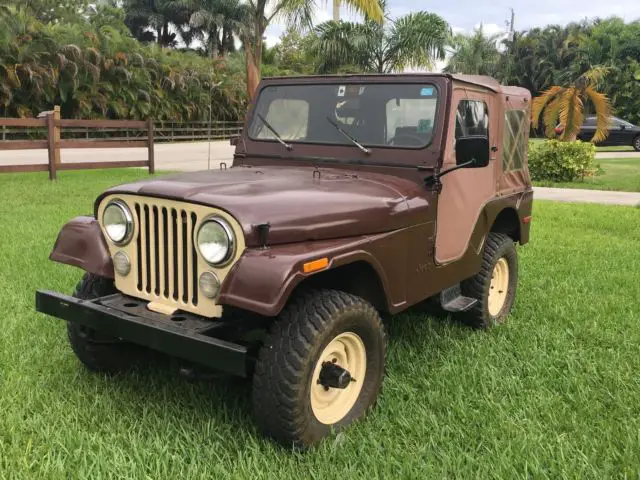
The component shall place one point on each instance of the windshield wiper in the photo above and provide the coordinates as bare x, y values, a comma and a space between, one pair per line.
275, 133
353, 140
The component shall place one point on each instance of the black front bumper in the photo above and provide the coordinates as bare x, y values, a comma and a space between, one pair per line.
182, 335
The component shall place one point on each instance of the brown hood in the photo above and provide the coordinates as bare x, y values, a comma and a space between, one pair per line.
298, 205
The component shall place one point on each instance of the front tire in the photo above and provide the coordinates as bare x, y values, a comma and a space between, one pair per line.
99, 353
494, 286
292, 401
636, 143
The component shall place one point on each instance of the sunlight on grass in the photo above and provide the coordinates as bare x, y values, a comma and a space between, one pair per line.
551, 394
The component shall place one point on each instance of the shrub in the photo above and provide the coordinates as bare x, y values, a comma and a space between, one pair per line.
561, 161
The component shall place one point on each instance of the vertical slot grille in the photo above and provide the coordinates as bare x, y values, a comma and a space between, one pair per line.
166, 255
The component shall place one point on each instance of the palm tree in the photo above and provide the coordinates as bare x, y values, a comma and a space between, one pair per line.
475, 54
295, 12
219, 21
416, 39
565, 105
160, 16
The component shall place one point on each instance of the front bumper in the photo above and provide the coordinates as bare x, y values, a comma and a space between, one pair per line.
182, 335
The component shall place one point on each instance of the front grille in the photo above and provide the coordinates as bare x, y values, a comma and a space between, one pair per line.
166, 257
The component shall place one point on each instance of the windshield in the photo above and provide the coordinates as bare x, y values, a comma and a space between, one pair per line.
374, 115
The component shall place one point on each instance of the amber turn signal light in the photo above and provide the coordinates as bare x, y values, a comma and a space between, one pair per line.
315, 265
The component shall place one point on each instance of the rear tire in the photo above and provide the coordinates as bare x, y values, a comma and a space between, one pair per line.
320, 327
99, 353
636, 143
494, 286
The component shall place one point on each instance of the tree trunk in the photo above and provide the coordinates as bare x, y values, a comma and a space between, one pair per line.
253, 70
213, 42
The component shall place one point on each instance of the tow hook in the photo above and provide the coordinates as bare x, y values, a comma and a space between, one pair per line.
333, 375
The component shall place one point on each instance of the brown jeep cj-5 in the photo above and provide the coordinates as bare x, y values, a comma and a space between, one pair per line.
349, 196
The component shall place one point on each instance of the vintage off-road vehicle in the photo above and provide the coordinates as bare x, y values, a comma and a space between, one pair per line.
349, 197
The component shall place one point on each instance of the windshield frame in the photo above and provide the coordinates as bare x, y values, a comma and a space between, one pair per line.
361, 80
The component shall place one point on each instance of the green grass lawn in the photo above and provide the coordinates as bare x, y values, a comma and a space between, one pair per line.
621, 174
554, 393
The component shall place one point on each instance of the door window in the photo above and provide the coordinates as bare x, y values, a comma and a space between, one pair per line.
472, 118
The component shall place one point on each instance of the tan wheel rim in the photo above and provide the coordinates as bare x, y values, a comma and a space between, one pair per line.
330, 405
499, 287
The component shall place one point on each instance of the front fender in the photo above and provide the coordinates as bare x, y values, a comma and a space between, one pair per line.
263, 279
80, 243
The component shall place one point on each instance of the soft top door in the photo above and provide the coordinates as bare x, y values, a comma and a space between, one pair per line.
466, 191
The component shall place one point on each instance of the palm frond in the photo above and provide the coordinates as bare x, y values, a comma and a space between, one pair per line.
603, 113
571, 113
541, 101
550, 116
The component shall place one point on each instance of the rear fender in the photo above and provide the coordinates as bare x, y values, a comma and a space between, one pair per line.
80, 243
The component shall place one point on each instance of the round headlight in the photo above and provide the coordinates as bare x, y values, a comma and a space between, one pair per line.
215, 241
118, 222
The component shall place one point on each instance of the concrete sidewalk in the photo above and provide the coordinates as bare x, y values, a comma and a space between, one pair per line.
588, 196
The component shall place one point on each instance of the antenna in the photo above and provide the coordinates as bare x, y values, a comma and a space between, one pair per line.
210, 111
511, 24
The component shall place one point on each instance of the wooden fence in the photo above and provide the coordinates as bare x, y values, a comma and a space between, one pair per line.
53, 125
164, 132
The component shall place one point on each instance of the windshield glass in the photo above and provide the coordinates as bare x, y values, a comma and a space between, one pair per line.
388, 115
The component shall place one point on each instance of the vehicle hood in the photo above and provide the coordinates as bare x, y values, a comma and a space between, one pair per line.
300, 203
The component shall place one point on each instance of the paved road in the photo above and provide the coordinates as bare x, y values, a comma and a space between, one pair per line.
169, 156
195, 156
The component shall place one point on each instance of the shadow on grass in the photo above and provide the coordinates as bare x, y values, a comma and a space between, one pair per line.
156, 388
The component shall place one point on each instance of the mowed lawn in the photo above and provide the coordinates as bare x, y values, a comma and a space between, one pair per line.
620, 174
554, 393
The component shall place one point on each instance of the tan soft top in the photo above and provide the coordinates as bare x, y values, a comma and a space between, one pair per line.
490, 83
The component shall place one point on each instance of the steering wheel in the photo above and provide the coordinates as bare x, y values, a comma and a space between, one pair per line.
414, 140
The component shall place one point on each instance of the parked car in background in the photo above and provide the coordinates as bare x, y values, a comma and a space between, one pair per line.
621, 132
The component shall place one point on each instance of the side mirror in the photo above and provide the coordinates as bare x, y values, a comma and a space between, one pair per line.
623, 126
473, 149
233, 141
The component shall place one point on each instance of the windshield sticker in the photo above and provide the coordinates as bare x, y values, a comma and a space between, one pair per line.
341, 90
426, 92
424, 125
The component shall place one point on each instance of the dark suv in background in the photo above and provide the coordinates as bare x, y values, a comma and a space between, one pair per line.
621, 132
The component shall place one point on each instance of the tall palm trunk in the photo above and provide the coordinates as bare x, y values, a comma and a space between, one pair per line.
336, 10
253, 63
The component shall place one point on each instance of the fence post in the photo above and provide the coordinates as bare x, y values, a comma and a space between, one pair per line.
56, 135
51, 145
4, 133
152, 160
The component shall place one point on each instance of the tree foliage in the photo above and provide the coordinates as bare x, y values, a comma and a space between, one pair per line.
414, 40
474, 54
99, 71
541, 58
565, 105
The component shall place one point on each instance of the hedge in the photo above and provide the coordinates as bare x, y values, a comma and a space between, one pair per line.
561, 161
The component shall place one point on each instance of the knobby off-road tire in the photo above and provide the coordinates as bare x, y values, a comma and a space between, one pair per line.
319, 326
495, 285
99, 353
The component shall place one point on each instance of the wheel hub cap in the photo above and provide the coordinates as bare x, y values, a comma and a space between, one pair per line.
499, 287
337, 378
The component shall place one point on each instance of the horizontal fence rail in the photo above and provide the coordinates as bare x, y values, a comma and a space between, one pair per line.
164, 131
48, 133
